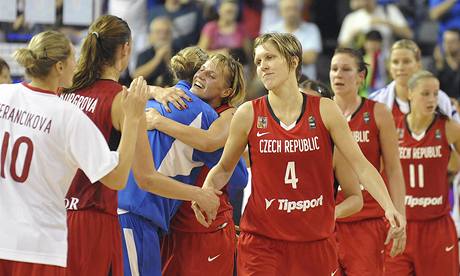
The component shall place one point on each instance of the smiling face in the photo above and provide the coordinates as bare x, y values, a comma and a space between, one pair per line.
403, 65
344, 74
272, 67
210, 82
424, 96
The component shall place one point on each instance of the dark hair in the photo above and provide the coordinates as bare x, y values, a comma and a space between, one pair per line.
3, 64
105, 35
318, 87
357, 55
374, 35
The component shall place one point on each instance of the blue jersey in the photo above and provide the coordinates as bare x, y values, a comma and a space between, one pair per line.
175, 159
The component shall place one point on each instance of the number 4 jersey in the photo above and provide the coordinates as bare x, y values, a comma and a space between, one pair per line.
424, 163
44, 140
292, 177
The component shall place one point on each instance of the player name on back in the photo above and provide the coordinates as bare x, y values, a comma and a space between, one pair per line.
420, 152
288, 146
86, 104
25, 118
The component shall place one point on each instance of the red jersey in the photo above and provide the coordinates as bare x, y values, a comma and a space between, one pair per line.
96, 101
396, 111
185, 220
424, 164
292, 176
366, 133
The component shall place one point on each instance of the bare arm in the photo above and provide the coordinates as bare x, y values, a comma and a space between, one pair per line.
146, 69
390, 153
234, 148
349, 184
208, 140
453, 134
437, 12
131, 105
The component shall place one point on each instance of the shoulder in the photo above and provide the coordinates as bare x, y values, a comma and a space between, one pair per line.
210, 27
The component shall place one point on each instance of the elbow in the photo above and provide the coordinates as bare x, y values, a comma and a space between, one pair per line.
209, 147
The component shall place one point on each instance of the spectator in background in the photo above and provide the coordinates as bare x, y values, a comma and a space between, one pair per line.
447, 63
153, 63
387, 19
226, 35
307, 33
5, 77
270, 14
187, 19
447, 13
374, 56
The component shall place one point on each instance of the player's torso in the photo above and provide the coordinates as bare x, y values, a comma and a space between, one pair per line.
424, 163
96, 102
292, 178
366, 133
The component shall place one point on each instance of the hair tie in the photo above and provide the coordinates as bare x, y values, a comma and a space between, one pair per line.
96, 34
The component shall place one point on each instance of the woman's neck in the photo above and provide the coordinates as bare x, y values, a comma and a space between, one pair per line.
110, 73
286, 101
46, 84
402, 92
348, 102
419, 123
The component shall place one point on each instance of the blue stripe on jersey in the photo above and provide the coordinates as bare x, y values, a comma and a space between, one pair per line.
174, 158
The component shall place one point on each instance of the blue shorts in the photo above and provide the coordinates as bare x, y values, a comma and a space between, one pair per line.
141, 246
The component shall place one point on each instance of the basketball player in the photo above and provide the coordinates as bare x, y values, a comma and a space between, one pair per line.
373, 128
424, 138
44, 141
288, 224
145, 216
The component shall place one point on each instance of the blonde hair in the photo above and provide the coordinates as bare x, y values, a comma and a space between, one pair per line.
187, 62
417, 77
44, 50
288, 46
408, 45
234, 77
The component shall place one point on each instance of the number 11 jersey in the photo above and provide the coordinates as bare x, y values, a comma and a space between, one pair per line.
292, 176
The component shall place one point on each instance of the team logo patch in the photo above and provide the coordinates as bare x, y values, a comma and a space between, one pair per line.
366, 118
261, 122
400, 133
437, 134
312, 122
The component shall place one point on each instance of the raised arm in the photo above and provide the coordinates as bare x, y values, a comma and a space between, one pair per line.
208, 140
131, 106
349, 183
438, 11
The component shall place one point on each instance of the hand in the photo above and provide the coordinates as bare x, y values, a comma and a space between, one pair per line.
379, 21
208, 203
134, 99
171, 95
164, 50
152, 117
397, 231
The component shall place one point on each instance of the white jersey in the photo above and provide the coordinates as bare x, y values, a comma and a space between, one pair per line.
387, 96
44, 141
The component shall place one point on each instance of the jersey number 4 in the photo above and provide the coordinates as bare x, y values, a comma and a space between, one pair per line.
290, 176
413, 175
29, 147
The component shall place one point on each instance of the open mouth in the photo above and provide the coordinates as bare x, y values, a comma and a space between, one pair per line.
198, 84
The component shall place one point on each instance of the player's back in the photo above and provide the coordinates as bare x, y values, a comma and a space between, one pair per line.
292, 180
38, 132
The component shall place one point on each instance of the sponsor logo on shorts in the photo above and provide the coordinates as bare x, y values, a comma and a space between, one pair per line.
290, 206
423, 201
449, 248
210, 259
333, 273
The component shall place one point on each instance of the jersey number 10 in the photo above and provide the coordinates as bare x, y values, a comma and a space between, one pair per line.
413, 176
14, 156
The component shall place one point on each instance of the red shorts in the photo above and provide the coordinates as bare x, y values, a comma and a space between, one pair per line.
94, 244
191, 254
361, 246
432, 249
258, 255
12, 268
